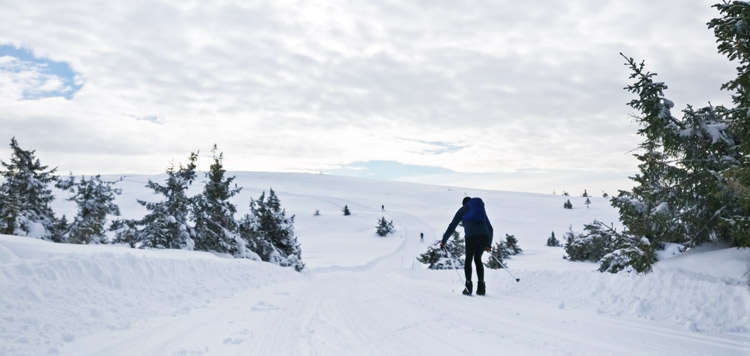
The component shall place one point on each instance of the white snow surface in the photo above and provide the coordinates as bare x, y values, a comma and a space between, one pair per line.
361, 294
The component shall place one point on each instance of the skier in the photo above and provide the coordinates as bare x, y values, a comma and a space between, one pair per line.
421, 236
478, 231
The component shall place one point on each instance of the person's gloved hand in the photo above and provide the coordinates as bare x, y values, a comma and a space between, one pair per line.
442, 245
488, 249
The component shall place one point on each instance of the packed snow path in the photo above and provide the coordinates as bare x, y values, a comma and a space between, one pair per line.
361, 294
384, 308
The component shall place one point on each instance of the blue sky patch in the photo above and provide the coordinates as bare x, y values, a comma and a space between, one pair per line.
36, 77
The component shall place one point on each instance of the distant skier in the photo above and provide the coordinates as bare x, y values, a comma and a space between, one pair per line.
478, 231
382, 208
421, 236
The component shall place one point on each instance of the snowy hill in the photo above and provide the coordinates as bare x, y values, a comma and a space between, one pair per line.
361, 294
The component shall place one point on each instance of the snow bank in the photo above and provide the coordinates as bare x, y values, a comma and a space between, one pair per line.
52, 293
701, 291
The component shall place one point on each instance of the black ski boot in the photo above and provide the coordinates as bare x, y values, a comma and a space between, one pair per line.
468, 289
480, 288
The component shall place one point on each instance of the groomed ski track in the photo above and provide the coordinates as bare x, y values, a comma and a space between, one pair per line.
384, 307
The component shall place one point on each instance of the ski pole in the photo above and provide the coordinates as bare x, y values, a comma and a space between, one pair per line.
506, 268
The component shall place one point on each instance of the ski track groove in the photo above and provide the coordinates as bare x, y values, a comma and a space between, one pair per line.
360, 310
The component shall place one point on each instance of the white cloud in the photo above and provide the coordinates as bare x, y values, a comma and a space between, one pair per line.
285, 85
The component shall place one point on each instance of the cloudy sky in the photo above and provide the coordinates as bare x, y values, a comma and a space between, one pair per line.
511, 95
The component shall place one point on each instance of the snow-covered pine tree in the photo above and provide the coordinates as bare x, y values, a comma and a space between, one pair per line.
511, 244
95, 200
270, 233
568, 205
346, 210
166, 223
630, 253
682, 195
553, 241
384, 227
25, 197
497, 256
215, 226
732, 32
585, 194
596, 241
452, 257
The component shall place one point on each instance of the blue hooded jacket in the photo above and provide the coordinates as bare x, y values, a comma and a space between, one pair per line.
474, 219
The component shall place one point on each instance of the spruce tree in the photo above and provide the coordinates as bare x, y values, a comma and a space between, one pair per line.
732, 32
511, 244
166, 223
270, 233
25, 196
95, 200
384, 227
553, 241
497, 256
346, 210
215, 226
450, 257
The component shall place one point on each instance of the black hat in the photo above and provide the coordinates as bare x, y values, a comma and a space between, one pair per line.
466, 199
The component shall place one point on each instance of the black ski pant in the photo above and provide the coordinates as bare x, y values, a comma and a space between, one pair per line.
475, 246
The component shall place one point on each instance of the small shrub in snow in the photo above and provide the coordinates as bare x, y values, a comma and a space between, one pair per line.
503, 250
614, 251
449, 258
384, 227
553, 241
631, 254
346, 210
317, 212
592, 245
568, 205
511, 244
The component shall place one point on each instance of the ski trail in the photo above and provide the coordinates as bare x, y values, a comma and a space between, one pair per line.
383, 307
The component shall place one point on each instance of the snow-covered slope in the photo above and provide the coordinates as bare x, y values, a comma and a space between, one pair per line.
361, 294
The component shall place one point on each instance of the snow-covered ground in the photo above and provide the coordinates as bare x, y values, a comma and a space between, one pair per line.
361, 294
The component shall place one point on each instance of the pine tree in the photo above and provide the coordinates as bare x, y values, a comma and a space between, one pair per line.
25, 197
497, 257
450, 257
679, 196
95, 200
270, 233
215, 226
553, 241
384, 227
585, 194
346, 210
568, 205
732, 32
596, 241
511, 244
166, 223
503, 250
